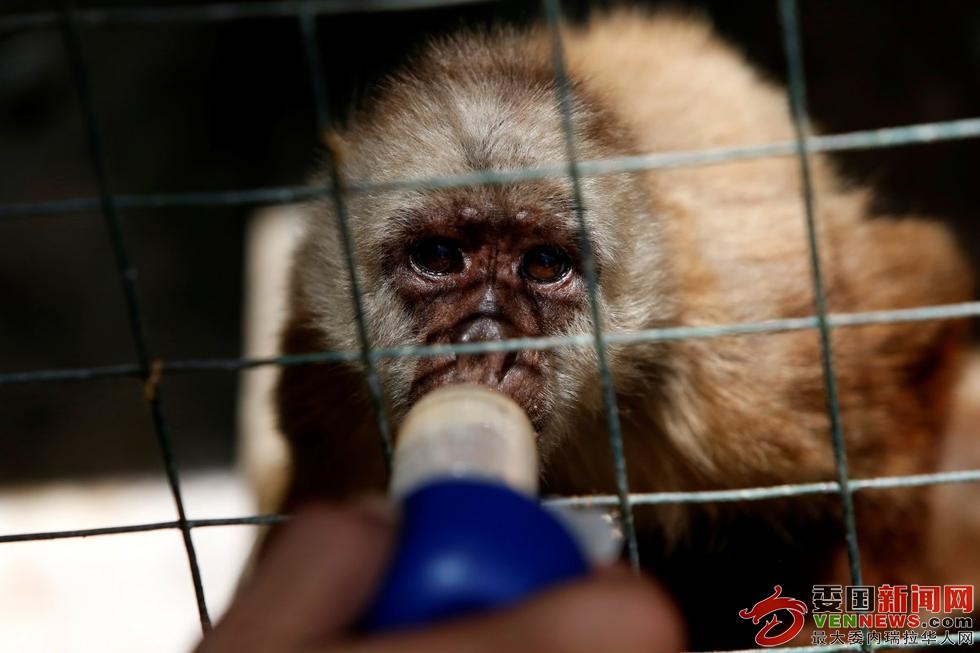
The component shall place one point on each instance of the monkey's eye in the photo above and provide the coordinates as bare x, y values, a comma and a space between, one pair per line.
545, 264
437, 256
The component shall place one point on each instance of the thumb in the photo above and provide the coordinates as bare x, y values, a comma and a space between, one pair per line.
315, 580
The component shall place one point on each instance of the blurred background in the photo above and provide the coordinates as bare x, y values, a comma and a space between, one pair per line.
189, 106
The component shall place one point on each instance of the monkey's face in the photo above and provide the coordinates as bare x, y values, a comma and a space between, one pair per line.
479, 263
464, 266
483, 272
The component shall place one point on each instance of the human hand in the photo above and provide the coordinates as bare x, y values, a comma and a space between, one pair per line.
326, 564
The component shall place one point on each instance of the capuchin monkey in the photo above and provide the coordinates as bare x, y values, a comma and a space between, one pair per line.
685, 246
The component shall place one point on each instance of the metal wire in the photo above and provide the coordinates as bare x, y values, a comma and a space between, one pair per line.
127, 275
773, 491
150, 371
801, 126
553, 15
871, 139
662, 334
252, 520
594, 500
307, 25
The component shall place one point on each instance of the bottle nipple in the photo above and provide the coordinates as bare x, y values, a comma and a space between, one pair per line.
465, 431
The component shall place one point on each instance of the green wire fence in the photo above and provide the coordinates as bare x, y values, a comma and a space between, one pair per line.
147, 369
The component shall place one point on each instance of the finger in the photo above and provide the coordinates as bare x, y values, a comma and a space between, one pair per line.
316, 578
611, 612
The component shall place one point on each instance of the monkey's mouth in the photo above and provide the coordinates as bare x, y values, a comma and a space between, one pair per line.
519, 375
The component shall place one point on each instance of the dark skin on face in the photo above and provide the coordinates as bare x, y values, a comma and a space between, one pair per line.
475, 275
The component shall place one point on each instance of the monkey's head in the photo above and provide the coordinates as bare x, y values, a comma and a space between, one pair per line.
479, 263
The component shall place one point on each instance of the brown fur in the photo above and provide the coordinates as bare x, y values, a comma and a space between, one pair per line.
688, 246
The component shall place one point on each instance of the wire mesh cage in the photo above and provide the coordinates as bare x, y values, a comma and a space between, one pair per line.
149, 369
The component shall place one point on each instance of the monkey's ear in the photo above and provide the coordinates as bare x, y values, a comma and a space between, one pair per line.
328, 422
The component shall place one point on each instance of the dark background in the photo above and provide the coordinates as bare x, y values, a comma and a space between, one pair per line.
215, 106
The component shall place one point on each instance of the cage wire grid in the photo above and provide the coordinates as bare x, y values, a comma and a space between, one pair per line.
150, 371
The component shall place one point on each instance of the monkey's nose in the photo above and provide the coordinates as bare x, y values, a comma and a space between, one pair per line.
481, 329
487, 368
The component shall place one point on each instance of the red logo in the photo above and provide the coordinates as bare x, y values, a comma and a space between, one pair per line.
772, 605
